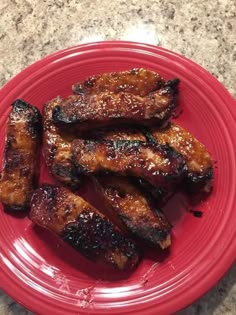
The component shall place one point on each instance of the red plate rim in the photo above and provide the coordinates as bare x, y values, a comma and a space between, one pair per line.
22, 292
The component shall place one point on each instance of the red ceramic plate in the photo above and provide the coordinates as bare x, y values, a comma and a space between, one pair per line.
48, 277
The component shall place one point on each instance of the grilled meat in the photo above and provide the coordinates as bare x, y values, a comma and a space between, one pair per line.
159, 165
136, 209
21, 163
131, 133
136, 81
83, 112
198, 159
82, 226
57, 148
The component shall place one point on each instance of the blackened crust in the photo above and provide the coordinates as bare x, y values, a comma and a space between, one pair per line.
82, 226
130, 158
144, 231
136, 81
85, 112
92, 235
199, 183
32, 116
136, 209
56, 149
199, 177
20, 172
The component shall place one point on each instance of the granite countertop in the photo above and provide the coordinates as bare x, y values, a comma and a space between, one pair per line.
204, 31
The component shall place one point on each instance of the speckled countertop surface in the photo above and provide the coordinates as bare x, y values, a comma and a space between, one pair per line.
204, 31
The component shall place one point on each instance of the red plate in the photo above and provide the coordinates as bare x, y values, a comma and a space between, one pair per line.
48, 277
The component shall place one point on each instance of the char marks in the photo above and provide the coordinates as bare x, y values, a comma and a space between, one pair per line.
57, 148
83, 112
82, 226
136, 209
137, 81
199, 177
159, 165
21, 156
113, 134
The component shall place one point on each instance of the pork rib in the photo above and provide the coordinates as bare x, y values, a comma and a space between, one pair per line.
200, 165
159, 165
84, 112
136, 209
137, 81
21, 156
82, 226
57, 148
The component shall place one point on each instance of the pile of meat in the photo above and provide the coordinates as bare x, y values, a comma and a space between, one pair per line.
115, 130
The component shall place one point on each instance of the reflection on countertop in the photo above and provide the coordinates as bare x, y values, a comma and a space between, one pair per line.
204, 31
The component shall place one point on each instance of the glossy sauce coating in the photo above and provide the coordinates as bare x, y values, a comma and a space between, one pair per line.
136, 81
160, 165
137, 210
21, 156
133, 133
57, 148
82, 226
198, 159
108, 108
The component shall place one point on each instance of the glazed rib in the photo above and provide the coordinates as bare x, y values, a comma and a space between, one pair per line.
136, 81
136, 209
130, 198
82, 226
57, 148
159, 165
107, 108
131, 133
198, 159
113, 133
20, 162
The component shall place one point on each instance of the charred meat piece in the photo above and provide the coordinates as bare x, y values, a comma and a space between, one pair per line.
198, 159
114, 133
159, 165
136, 81
107, 108
132, 133
82, 226
136, 209
20, 162
57, 148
